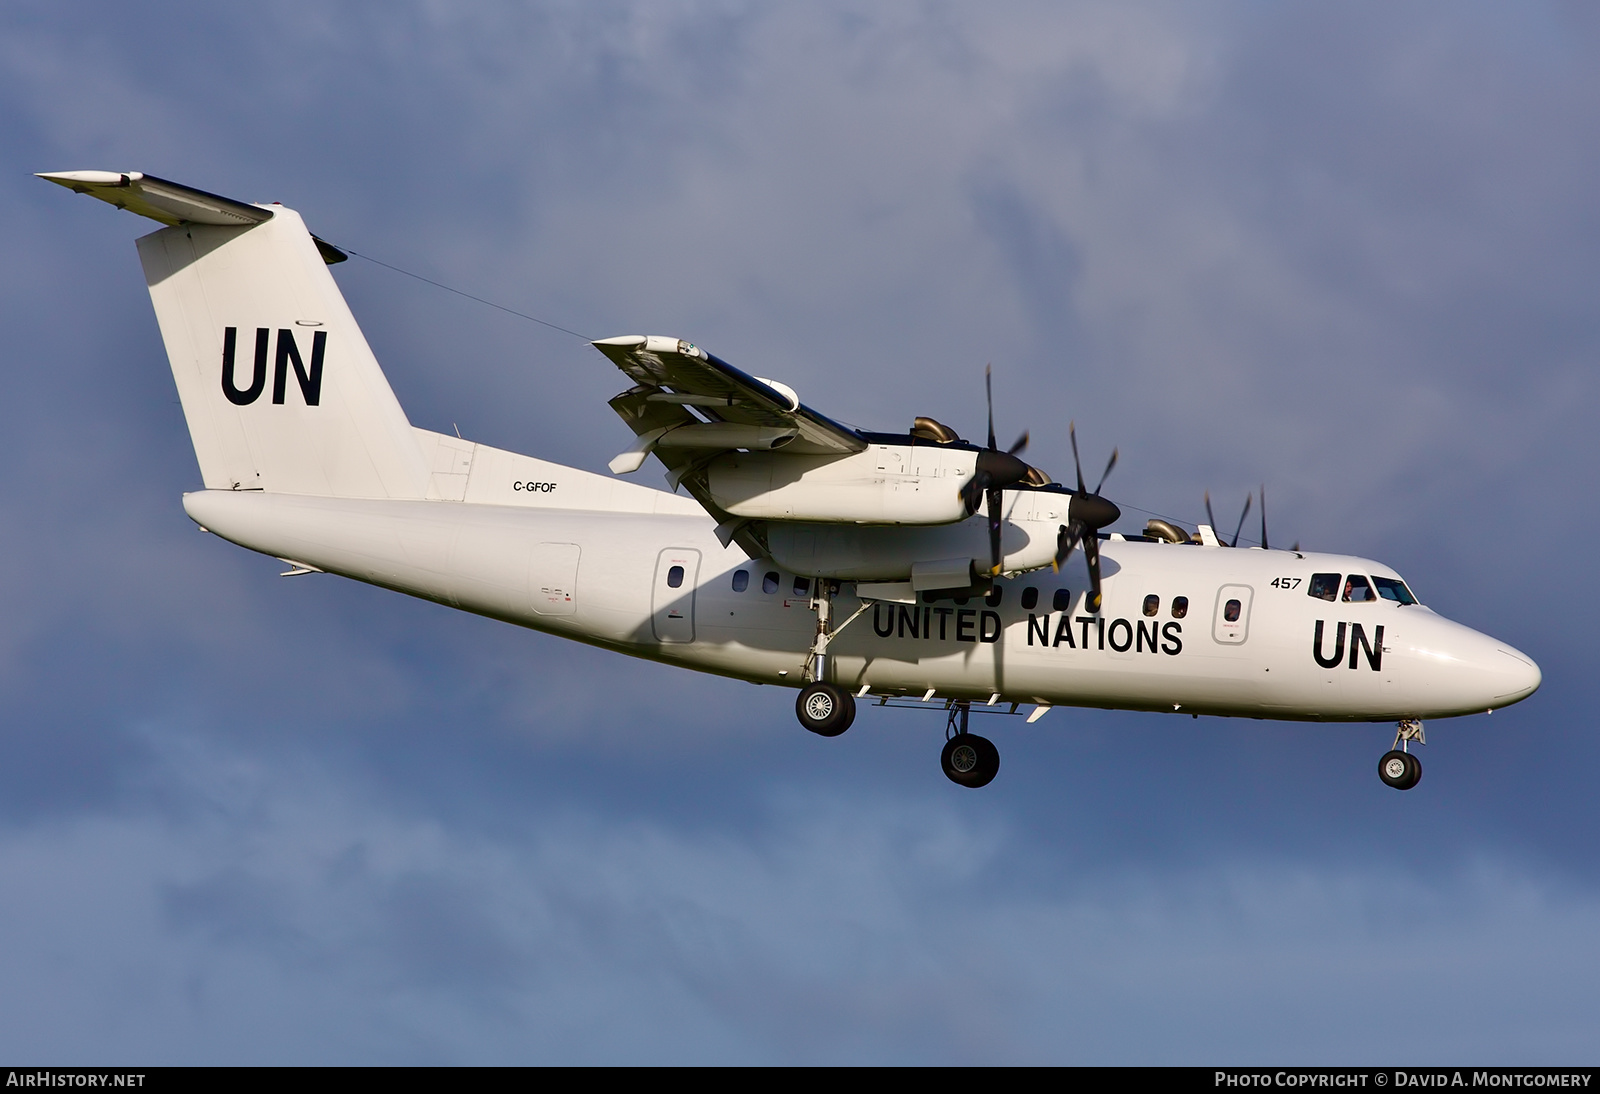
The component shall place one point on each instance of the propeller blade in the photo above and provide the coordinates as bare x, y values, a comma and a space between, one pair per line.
988, 393
1022, 442
1211, 518
1091, 554
995, 499
1077, 464
1264, 546
972, 491
1106, 473
1240, 528
1066, 539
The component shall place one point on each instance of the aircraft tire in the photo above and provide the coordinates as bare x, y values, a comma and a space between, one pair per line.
970, 760
1400, 770
824, 709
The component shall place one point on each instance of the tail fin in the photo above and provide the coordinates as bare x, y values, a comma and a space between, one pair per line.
279, 387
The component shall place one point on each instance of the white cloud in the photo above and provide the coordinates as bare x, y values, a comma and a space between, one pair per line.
273, 909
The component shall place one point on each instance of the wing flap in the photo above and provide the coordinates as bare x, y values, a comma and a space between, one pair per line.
680, 374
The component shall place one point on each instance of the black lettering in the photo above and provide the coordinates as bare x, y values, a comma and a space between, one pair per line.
289, 350
877, 622
1041, 627
258, 377
944, 617
1127, 629
909, 620
965, 618
1338, 649
1084, 621
1358, 643
1172, 638
984, 633
927, 622
1139, 639
1064, 632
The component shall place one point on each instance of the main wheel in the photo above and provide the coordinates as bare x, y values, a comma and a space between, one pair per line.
825, 709
970, 760
1400, 770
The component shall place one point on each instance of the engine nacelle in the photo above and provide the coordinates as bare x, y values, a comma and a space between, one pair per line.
886, 484
929, 558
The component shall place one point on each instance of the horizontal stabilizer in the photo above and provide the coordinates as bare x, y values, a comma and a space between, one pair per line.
171, 203
158, 199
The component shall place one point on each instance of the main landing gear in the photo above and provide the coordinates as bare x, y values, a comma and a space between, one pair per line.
967, 759
1399, 768
824, 707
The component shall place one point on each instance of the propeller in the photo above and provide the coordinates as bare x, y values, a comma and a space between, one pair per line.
993, 472
1087, 513
1212, 520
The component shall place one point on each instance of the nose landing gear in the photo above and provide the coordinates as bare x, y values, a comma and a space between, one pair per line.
1398, 767
967, 759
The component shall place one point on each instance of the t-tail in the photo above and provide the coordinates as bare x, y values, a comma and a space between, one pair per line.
280, 390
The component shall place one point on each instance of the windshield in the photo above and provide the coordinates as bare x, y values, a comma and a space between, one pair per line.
1392, 588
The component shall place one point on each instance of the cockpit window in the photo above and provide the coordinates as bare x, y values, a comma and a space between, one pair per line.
1392, 588
1324, 586
1357, 590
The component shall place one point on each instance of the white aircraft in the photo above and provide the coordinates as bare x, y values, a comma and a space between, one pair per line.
844, 563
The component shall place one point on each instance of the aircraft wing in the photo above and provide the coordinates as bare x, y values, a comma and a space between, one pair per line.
735, 409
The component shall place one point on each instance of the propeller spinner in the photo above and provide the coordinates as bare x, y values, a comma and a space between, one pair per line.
1086, 515
995, 470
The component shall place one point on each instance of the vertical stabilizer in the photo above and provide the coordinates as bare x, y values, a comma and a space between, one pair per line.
278, 385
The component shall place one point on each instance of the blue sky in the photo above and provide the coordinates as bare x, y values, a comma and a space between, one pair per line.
1348, 250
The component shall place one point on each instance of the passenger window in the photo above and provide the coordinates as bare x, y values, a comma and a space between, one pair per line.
1324, 586
1392, 588
675, 577
741, 580
1030, 598
1152, 604
769, 584
1230, 611
1180, 607
1062, 601
993, 599
1357, 590
802, 586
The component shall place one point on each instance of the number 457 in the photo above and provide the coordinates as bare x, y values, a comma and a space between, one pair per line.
1286, 582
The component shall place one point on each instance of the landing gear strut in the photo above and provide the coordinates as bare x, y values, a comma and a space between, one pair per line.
967, 759
823, 707
1398, 767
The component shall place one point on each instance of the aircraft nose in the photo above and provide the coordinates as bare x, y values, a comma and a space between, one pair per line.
1515, 676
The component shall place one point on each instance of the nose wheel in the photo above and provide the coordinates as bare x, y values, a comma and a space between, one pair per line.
1398, 767
967, 759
